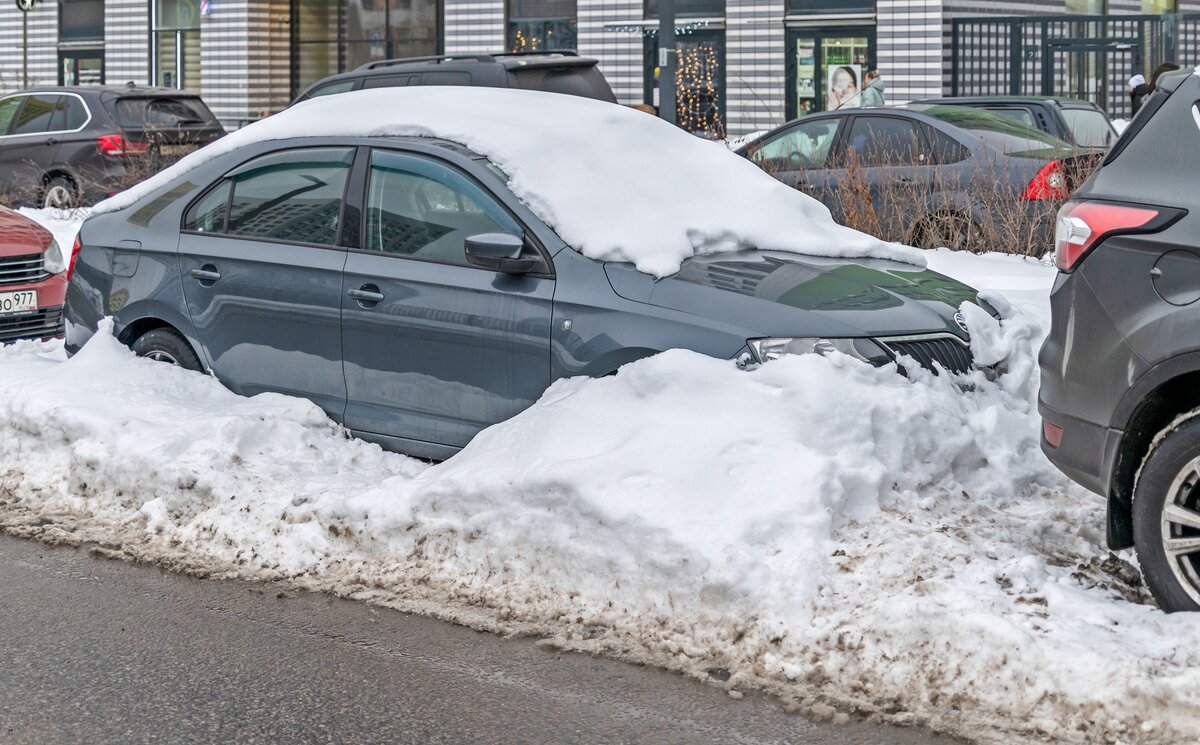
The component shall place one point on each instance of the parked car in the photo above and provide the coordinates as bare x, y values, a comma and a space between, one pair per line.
552, 71
938, 176
1120, 395
60, 147
1072, 120
33, 280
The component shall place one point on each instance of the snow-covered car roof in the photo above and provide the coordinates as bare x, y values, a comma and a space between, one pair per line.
615, 183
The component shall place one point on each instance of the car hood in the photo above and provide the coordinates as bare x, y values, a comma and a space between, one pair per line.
784, 294
20, 236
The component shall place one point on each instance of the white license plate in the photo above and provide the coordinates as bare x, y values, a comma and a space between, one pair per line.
176, 149
18, 302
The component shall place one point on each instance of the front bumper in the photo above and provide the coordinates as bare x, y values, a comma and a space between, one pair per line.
44, 323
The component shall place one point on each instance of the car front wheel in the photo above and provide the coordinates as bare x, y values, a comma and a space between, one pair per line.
1166, 517
167, 345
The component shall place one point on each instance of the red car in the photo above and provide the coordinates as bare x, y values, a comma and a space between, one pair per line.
33, 280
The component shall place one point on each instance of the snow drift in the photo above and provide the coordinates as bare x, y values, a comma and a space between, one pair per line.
816, 528
613, 182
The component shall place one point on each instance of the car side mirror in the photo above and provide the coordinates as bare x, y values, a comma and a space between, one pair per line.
500, 252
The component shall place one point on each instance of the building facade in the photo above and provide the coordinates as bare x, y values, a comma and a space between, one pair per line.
744, 65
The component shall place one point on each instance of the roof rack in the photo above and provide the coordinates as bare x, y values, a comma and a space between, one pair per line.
431, 58
564, 52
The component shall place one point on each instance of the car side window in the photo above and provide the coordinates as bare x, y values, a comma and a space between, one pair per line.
8, 112
208, 214
69, 115
35, 114
886, 141
945, 148
422, 209
387, 81
445, 78
806, 145
294, 195
332, 88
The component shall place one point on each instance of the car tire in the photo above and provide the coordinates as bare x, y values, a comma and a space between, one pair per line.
61, 193
1166, 510
167, 345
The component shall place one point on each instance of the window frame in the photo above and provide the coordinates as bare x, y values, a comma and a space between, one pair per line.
27, 94
231, 174
529, 236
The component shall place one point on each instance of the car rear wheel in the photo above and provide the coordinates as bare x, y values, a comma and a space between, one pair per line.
167, 345
1166, 518
60, 193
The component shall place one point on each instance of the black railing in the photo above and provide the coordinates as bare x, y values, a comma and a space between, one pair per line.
1075, 56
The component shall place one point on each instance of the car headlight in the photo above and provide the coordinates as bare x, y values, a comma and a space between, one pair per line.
52, 259
867, 350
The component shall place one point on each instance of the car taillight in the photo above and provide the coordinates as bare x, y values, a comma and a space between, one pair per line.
74, 256
115, 145
1049, 183
1082, 225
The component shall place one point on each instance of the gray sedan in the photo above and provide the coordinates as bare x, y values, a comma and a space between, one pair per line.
399, 284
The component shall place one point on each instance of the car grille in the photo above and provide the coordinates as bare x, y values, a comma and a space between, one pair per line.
946, 350
22, 270
37, 325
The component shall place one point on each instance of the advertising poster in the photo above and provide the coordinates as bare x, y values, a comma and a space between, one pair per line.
843, 87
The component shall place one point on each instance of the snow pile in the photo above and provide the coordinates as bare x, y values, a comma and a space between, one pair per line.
64, 224
614, 183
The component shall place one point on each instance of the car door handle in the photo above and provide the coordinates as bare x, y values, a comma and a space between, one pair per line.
207, 274
52, 141
367, 294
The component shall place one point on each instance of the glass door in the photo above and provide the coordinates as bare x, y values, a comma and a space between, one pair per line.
825, 68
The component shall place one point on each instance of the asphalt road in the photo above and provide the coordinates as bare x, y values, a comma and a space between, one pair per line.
100, 651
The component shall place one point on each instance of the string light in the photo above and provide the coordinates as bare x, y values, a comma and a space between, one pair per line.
698, 99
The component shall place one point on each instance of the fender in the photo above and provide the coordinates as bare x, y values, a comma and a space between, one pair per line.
1149, 381
152, 310
608, 363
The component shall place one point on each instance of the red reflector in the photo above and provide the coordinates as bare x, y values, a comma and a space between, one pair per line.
74, 255
1052, 433
1049, 183
115, 145
1082, 225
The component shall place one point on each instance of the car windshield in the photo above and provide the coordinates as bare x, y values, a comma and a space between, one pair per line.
1007, 135
162, 112
1090, 128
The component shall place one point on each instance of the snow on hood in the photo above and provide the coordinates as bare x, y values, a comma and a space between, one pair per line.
614, 183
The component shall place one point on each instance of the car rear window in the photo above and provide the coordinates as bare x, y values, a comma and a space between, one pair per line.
1090, 128
1024, 116
1007, 135
135, 113
572, 80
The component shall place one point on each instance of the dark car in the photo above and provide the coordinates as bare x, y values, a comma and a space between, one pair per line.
938, 176
60, 147
33, 280
1120, 393
1080, 123
400, 284
553, 72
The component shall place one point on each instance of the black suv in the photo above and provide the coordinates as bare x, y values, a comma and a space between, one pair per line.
1074, 121
1120, 395
60, 147
555, 72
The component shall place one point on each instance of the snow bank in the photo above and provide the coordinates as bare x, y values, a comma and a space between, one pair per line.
614, 183
818, 528
64, 224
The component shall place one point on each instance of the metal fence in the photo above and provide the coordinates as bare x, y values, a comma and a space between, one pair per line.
1088, 57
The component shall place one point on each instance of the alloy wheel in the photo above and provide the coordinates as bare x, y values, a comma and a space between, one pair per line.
1180, 526
159, 355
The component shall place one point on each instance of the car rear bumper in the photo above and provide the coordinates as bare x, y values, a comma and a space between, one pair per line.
1086, 452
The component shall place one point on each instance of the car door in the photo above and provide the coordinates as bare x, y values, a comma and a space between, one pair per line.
800, 157
27, 148
435, 349
261, 267
890, 175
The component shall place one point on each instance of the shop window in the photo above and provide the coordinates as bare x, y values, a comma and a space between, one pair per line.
830, 6
177, 43
80, 20
540, 25
686, 8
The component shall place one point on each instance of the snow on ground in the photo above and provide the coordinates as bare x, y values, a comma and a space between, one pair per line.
718, 202
820, 529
